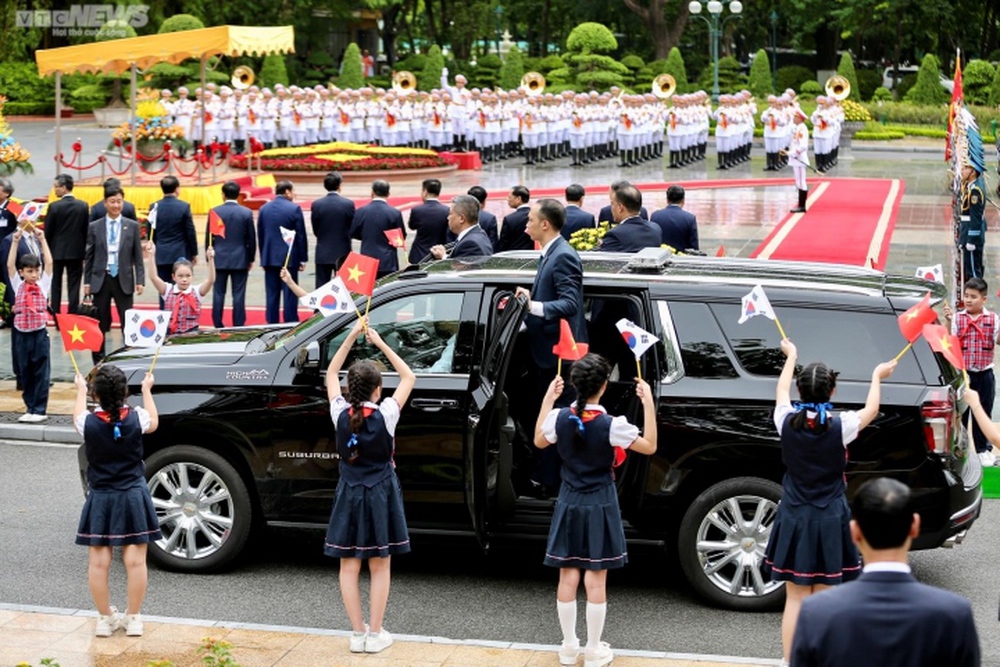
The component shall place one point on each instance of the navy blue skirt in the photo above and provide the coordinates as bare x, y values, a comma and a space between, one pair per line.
115, 518
367, 522
586, 531
812, 545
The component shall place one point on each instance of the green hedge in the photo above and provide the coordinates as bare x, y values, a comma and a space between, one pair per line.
29, 108
878, 135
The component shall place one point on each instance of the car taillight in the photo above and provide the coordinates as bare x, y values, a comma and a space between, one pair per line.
937, 425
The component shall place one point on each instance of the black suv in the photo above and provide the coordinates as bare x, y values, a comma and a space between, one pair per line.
246, 439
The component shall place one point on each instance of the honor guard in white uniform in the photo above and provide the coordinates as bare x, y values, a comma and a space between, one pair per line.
798, 156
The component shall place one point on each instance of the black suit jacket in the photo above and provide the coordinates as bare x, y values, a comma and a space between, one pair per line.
512, 234
131, 270
576, 219
678, 228
474, 244
632, 235
430, 221
559, 286
275, 214
98, 211
370, 223
8, 221
238, 249
488, 222
174, 236
66, 223
605, 215
887, 619
332, 216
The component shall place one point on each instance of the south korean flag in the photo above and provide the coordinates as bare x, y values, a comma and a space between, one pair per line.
146, 328
329, 299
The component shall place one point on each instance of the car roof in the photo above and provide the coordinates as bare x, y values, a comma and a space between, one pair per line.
742, 273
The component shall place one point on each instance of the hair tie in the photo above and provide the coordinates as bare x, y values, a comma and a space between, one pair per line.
352, 448
819, 408
118, 431
579, 424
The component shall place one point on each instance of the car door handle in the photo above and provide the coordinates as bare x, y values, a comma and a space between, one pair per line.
433, 404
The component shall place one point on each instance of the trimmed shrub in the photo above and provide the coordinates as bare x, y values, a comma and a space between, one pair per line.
882, 94
977, 79
180, 23
928, 88
793, 77
415, 62
810, 89
114, 30
846, 70
430, 76
511, 71
591, 38
731, 79
869, 81
273, 71
549, 63
994, 99
760, 83
675, 67
351, 70
487, 71
904, 85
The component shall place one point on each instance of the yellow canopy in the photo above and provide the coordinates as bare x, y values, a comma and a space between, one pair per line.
117, 57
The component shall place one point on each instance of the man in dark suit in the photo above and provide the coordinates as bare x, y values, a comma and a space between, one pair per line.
885, 617
463, 220
576, 217
281, 213
429, 220
99, 212
8, 225
8, 219
632, 233
113, 266
605, 214
678, 228
174, 236
512, 231
66, 224
370, 224
234, 254
487, 221
332, 216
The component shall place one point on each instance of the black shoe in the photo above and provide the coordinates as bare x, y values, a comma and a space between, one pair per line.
801, 208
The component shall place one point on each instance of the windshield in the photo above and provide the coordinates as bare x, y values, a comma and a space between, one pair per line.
302, 327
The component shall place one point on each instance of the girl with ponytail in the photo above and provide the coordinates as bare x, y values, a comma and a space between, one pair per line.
119, 510
586, 531
810, 545
367, 521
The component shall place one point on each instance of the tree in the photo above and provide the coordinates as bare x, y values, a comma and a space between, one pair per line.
273, 70
512, 69
587, 44
730, 78
846, 70
675, 68
928, 88
429, 77
180, 23
653, 15
111, 31
995, 89
977, 79
351, 71
760, 84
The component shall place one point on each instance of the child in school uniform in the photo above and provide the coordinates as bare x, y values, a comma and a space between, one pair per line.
977, 328
31, 282
367, 521
119, 510
586, 532
181, 297
810, 547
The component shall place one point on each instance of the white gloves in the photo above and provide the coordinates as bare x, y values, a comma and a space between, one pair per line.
971, 247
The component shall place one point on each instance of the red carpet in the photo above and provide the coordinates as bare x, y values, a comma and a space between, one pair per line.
848, 221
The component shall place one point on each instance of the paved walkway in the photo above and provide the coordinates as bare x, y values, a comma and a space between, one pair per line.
67, 636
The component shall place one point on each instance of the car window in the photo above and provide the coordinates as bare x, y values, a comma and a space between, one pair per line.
703, 347
421, 328
852, 343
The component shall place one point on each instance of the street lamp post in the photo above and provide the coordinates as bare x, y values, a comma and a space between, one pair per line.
715, 26
499, 13
774, 49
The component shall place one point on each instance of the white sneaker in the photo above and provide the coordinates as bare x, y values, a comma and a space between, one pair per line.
598, 657
376, 642
133, 625
106, 625
29, 418
987, 459
358, 640
569, 653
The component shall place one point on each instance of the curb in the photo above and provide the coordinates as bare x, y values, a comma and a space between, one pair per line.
65, 435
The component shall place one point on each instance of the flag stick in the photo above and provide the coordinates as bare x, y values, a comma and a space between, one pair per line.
368, 307
211, 237
73, 359
288, 255
905, 350
638, 367
152, 230
157, 354
780, 330
558, 366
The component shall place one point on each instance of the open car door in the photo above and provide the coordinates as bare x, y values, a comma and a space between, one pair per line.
490, 429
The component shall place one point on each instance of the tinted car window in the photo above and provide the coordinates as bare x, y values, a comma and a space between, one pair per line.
420, 328
703, 347
852, 343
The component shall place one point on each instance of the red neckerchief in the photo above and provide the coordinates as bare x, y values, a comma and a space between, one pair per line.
366, 410
590, 415
106, 418
189, 300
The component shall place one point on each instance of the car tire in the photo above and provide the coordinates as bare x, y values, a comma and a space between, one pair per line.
721, 544
203, 506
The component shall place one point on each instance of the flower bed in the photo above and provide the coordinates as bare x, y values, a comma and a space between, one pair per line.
340, 156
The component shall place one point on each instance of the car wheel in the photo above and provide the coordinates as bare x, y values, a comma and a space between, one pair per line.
722, 540
203, 506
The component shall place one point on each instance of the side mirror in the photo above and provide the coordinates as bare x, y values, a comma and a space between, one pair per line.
308, 358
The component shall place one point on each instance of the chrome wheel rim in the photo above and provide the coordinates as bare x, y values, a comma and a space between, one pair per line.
195, 510
731, 543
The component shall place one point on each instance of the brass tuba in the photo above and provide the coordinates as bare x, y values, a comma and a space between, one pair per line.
533, 83
838, 87
664, 86
243, 77
404, 82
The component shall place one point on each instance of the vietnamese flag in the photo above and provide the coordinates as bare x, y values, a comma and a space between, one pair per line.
80, 332
216, 225
567, 348
957, 95
395, 237
14, 208
911, 323
946, 343
721, 252
359, 273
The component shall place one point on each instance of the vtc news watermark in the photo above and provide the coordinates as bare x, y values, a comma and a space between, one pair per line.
81, 20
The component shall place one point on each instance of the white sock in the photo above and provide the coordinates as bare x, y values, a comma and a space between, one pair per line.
567, 621
595, 623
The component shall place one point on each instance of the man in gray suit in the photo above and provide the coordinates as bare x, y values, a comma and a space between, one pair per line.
113, 267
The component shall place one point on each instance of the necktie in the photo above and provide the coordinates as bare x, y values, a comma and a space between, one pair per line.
113, 256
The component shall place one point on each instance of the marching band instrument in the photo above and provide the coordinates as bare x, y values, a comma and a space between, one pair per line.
838, 87
664, 86
533, 83
243, 77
